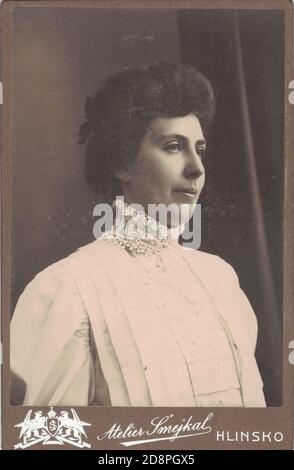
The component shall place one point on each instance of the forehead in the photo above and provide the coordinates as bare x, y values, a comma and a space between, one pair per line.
187, 126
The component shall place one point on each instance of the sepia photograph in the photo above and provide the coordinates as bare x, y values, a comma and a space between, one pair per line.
146, 209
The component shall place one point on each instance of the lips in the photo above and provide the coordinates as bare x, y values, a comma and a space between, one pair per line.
191, 191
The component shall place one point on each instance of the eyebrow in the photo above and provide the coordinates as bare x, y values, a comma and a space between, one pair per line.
181, 137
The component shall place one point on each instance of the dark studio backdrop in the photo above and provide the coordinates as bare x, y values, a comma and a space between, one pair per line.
61, 55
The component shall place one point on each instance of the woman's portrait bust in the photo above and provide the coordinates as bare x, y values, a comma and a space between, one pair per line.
127, 319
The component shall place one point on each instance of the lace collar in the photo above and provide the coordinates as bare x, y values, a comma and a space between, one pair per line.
137, 232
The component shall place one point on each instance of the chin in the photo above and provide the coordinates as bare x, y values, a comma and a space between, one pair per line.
181, 215
186, 211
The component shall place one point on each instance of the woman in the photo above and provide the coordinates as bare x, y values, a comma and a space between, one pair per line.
132, 320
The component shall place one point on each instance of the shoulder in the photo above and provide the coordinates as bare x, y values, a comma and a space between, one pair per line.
51, 280
51, 294
211, 264
223, 283
57, 276
57, 280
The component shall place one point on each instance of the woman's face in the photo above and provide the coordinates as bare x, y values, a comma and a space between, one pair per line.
168, 167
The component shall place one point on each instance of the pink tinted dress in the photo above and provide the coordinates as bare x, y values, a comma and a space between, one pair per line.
108, 328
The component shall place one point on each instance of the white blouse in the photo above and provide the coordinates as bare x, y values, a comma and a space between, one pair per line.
102, 327
200, 337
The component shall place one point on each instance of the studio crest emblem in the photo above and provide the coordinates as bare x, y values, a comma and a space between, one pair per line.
52, 428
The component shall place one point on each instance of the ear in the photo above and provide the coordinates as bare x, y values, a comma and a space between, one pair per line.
122, 174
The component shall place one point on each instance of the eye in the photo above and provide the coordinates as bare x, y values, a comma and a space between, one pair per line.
173, 147
200, 149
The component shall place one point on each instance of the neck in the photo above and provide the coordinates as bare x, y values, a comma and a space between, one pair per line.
135, 221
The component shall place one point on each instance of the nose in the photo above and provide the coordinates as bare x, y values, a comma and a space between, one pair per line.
194, 167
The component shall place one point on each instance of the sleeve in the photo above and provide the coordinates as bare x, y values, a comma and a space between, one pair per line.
246, 322
241, 301
50, 350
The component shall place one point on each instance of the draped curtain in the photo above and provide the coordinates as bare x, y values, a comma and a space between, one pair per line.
241, 52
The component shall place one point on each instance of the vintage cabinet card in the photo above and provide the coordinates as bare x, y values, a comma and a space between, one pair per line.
147, 224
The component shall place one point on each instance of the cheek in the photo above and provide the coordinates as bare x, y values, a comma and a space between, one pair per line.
164, 179
156, 170
166, 169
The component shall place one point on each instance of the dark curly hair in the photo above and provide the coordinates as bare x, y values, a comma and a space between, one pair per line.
118, 116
